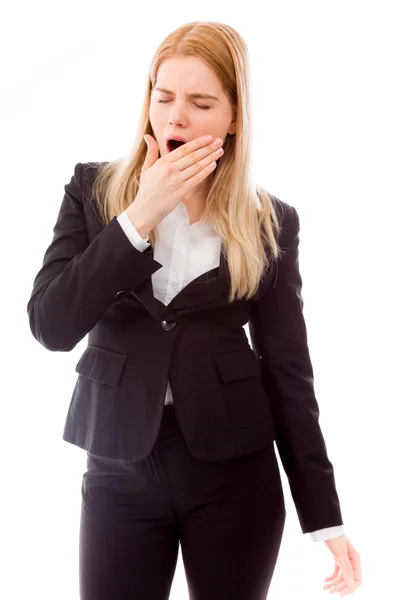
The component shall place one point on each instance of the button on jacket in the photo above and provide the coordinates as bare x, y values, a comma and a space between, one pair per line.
161, 330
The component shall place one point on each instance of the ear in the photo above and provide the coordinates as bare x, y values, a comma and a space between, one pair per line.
232, 126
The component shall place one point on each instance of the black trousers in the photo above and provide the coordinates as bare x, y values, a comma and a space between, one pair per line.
228, 517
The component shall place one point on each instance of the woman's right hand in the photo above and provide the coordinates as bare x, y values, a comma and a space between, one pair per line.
165, 181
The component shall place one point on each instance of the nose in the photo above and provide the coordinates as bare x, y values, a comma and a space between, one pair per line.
177, 113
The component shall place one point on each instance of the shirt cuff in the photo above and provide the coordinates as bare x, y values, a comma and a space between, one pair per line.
131, 232
320, 535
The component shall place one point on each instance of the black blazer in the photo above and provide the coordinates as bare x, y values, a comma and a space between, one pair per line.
231, 398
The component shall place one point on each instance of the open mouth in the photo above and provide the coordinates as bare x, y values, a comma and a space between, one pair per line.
174, 144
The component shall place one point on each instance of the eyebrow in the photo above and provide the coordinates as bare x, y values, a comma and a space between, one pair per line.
194, 95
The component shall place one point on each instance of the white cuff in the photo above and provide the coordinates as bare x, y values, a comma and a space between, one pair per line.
132, 233
320, 535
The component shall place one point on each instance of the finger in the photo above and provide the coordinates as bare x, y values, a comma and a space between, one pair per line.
336, 581
348, 590
189, 147
199, 166
339, 588
334, 574
198, 177
190, 159
346, 569
355, 559
356, 563
357, 568
151, 154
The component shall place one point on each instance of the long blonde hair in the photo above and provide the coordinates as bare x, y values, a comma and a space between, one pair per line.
243, 214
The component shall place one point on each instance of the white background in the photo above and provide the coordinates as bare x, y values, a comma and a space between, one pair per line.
325, 83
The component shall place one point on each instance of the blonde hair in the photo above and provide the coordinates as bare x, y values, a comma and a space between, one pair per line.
243, 214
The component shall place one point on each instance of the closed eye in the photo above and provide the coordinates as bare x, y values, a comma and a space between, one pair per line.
199, 105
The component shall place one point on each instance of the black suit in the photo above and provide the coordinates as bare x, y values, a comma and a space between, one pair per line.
230, 400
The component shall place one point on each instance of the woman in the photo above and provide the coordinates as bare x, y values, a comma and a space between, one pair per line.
162, 257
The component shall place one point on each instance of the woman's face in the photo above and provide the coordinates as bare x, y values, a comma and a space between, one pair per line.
177, 112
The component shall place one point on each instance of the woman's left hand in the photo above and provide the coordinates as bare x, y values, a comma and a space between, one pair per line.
346, 577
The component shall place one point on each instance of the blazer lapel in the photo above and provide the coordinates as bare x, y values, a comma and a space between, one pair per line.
205, 288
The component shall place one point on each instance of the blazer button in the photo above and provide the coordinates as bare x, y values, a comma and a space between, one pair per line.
168, 325
120, 292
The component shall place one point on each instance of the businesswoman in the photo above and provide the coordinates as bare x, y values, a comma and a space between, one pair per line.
162, 257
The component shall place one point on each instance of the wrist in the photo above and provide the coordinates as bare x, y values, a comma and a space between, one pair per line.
139, 220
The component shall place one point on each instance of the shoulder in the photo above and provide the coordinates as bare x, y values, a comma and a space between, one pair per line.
85, 173
90, 169
288, 218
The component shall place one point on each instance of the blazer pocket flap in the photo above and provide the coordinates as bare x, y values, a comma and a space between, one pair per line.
101, 364
237, 364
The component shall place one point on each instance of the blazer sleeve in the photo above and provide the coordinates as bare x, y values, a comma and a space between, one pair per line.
278, 333
78, 280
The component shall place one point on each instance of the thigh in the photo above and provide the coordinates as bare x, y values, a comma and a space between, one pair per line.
230, 541
128, 534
